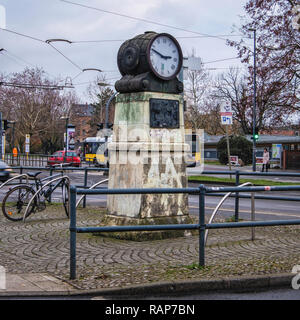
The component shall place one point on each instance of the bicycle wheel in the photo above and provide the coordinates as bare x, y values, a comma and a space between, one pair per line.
15, 202
65, 197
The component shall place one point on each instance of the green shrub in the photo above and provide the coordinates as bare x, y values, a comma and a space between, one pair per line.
239, 146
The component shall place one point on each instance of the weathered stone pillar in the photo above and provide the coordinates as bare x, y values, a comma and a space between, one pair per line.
143, 155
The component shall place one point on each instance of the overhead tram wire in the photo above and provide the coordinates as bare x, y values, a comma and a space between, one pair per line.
49, 43
18, 59
33, 86
142, 20
22, 35
178, 37
73, 63
45, 42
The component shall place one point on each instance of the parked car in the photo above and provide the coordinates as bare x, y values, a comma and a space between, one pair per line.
5, 171
62, 156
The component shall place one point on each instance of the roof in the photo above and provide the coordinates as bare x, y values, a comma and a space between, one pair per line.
272, 139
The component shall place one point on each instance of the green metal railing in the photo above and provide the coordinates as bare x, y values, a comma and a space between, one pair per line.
201, 226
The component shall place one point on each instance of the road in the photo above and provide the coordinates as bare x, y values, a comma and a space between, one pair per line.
264, 209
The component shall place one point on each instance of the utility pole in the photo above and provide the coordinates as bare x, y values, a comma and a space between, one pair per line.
254, 104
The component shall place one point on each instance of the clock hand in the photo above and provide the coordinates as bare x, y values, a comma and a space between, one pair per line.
164, 57
158, 53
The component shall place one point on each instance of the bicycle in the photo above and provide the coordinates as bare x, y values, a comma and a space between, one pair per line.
27, 198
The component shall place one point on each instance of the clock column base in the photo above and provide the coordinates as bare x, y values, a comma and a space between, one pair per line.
145, 157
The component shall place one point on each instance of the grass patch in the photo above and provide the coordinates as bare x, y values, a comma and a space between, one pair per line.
214, 162
256, 182
232, 219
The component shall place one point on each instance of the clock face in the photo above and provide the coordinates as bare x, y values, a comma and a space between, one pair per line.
165, 56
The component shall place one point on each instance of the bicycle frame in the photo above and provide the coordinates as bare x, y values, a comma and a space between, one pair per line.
66, 179
51, 188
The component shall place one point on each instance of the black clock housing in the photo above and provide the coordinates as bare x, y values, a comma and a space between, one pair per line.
135, 66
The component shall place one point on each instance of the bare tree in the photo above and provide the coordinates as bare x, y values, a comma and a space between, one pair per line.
99, 92
274, 104
277, 55
196, 89
37, 111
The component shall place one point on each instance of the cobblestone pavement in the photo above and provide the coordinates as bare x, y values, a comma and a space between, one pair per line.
41, 245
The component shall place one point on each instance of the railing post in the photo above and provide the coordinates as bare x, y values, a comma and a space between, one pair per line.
253, 215
237, 199
85, 185
21, 172
201, 225
50, 196
72, 232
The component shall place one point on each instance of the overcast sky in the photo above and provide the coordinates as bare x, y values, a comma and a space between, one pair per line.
48, 19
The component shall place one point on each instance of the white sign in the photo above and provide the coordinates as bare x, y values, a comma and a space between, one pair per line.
226, 113
276, 151
234, 160
226, 120
27, 139
193, 63
71, 139
27, 148
2, 17
226, 107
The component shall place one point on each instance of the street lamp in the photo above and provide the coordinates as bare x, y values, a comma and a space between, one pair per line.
66, 131
254, 104
108, 102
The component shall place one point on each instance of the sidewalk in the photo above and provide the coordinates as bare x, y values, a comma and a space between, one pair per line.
35, 256
44, 285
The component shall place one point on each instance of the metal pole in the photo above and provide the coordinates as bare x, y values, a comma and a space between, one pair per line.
85, 185
254, 104
201, 225
253, 215
72, 232
107, 108
237, 199
106, 118
66, 142
13, 141
50, 196
228, 149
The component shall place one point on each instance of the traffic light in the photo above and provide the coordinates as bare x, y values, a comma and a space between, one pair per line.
6, 124
256, 135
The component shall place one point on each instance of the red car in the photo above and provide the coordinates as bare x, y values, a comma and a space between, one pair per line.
69, 157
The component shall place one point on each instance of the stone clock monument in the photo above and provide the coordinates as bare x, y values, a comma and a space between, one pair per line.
148, 146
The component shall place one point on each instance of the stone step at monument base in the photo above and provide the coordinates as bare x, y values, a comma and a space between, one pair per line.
111, 220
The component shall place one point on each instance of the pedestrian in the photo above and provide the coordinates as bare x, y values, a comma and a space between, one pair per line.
79, 151
266, 159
